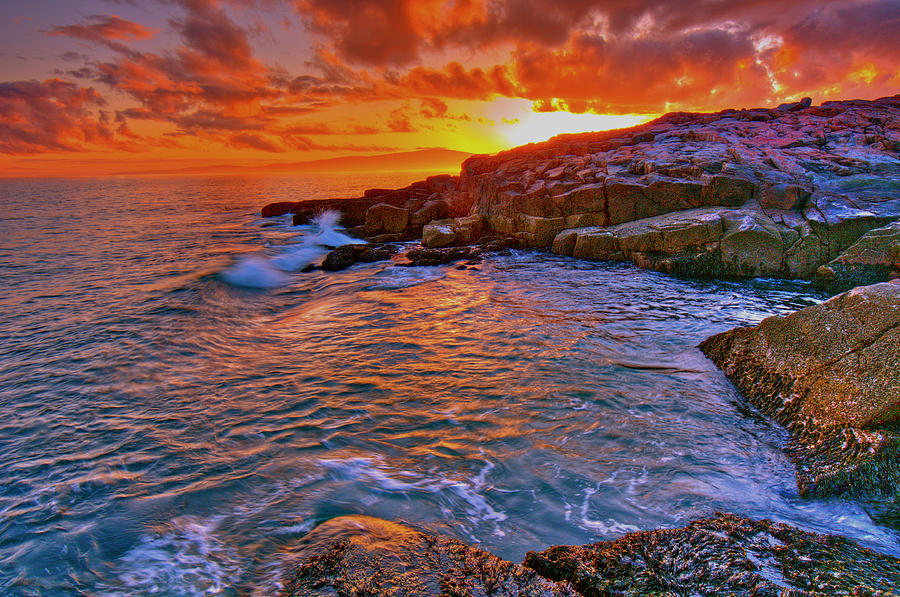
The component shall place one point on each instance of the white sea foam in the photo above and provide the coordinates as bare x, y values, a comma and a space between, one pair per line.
383, 479
396, 278
270, 271
254, 271
187, 559
607, 527
327, 234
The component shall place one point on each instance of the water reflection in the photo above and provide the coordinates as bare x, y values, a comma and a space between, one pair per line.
165, 431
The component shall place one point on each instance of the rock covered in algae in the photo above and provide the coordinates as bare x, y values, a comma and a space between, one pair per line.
363, 556
830, 374
873, 258
725, 555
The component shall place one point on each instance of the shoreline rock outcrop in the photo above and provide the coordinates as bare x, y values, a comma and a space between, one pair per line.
723, 555
794, 188
360, 555
830, 373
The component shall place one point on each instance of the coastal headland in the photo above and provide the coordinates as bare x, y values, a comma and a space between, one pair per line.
799, 191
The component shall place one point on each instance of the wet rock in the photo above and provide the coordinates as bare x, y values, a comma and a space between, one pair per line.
875, 257
453, 232
471, 254
353, 210
382, 218
540, 232
437, 235
752, 245
829, 374
347, 255
362, 556
277, 209
426, 256
725, 555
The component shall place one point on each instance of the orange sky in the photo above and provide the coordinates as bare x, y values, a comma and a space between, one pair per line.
100, 86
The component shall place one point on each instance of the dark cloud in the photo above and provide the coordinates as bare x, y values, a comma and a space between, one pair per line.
104, 28
255, 141
209, 32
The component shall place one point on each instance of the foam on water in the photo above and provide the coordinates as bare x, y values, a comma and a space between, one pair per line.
187, 559
271, 271
327, 234
254, 271
382, 478
396, 278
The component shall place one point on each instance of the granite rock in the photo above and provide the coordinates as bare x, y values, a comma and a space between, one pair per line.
829, 374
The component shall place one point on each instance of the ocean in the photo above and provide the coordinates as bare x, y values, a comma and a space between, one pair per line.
181, 403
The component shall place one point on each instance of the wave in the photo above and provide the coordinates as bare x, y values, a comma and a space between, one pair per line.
273, 270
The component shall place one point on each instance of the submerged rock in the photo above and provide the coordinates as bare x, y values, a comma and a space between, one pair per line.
830, 374
363, 556
725, 555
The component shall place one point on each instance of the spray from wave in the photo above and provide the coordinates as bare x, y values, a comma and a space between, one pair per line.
272, 270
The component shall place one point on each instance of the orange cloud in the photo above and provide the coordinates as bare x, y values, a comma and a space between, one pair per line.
54, 115
408, 65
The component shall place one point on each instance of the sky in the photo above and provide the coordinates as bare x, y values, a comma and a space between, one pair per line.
105, 86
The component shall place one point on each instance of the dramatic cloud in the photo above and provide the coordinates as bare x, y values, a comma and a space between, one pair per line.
53, 115
403, 68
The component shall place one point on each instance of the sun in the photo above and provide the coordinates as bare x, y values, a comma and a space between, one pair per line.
540, 126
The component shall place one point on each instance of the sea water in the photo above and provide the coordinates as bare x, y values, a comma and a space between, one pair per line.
181, 403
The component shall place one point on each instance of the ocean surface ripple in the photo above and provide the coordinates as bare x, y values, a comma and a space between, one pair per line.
181, 403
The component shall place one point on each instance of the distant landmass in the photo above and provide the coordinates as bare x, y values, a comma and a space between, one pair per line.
422, 160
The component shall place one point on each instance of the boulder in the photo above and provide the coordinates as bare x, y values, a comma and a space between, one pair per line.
564, 242
454, 231
699, 242
382, 218
875, 257
829, 374
439, 235
728, 191
724, 555
359, 555
784, 196
344, 256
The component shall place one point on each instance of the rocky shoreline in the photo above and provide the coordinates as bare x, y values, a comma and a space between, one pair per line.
723, 555
800, 192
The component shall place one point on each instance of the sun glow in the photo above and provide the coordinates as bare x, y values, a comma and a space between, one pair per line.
529, 126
